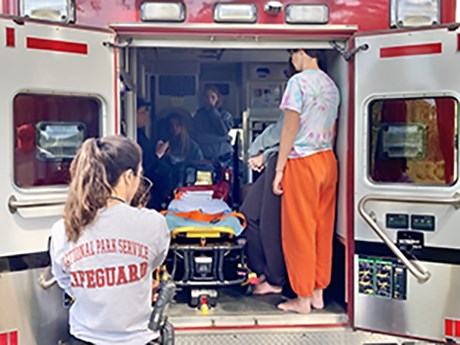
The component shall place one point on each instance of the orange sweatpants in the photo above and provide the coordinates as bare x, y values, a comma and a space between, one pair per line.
307, 220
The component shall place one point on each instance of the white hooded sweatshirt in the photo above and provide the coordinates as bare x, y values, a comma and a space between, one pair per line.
109, 273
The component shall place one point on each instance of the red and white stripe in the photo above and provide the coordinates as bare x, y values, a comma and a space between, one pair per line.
452, 328
46, 44
411, 50
56, 45
9, 338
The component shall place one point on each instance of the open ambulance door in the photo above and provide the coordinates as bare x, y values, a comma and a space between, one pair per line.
58, 87
406, 210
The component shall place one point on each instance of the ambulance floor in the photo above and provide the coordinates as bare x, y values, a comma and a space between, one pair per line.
236, 309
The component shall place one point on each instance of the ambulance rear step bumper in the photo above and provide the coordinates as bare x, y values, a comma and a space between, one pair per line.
291, 336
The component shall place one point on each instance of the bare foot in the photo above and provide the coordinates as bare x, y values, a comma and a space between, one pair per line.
317, 301
299, 305
262, 278
265, 288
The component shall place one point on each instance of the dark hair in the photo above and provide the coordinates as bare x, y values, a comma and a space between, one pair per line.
179, 144
94, 172
140, 102
319, 55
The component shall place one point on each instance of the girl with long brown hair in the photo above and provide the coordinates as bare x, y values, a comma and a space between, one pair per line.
181, 146
104, 250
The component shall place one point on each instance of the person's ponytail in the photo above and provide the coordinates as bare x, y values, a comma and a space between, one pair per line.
88, 190
94, 171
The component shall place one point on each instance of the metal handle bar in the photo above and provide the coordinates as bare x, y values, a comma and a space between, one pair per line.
14, 204
46, 283
418, 271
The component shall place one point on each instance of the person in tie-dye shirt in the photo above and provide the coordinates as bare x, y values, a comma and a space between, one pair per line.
306, 177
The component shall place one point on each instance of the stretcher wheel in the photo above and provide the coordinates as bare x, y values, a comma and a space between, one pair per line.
193, 302
212, 301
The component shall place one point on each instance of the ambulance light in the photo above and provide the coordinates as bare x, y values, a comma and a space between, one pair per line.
163, 12
411, 13
52, 10
307, 14
235, 13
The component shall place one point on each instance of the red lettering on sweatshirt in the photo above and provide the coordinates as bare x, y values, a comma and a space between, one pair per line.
105, 245
133, 248
109, 276
121, 276
78, 253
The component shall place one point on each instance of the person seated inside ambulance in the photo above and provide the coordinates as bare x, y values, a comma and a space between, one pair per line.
104, 251
211, 127
262, 209
151, 153
182, 149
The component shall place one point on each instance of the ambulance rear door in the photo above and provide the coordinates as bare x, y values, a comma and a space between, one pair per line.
58, 87
405, 247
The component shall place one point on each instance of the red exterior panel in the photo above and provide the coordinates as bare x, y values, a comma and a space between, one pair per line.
457, 329
448, 328
10, 37
419, 49
57, 46
4, 339
367, 15
14, 338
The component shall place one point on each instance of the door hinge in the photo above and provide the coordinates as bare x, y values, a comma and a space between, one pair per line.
118, 45
348, 54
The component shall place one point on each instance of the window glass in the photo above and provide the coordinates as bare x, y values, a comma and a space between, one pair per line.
48, 131
413, 141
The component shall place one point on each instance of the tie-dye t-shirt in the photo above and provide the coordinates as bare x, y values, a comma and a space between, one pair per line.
314, 95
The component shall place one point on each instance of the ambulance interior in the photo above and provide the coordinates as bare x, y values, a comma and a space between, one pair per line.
252, 84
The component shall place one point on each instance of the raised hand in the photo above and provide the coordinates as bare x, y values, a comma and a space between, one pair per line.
162, 148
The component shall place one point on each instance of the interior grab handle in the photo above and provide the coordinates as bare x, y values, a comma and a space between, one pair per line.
415, 268
14, 204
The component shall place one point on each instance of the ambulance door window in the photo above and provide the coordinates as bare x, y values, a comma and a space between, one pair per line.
413, 141
48, 131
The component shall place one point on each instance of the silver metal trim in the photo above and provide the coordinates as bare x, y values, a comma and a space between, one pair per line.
212, 27
415, 268
212, 42
43, 281
14, 204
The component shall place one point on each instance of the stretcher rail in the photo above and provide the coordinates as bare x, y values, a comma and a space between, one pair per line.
415, 268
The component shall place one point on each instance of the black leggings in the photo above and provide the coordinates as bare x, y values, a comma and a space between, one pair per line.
262, 209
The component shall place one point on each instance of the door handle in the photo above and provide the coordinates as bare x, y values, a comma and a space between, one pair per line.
14, 204
45, 282
415, 268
